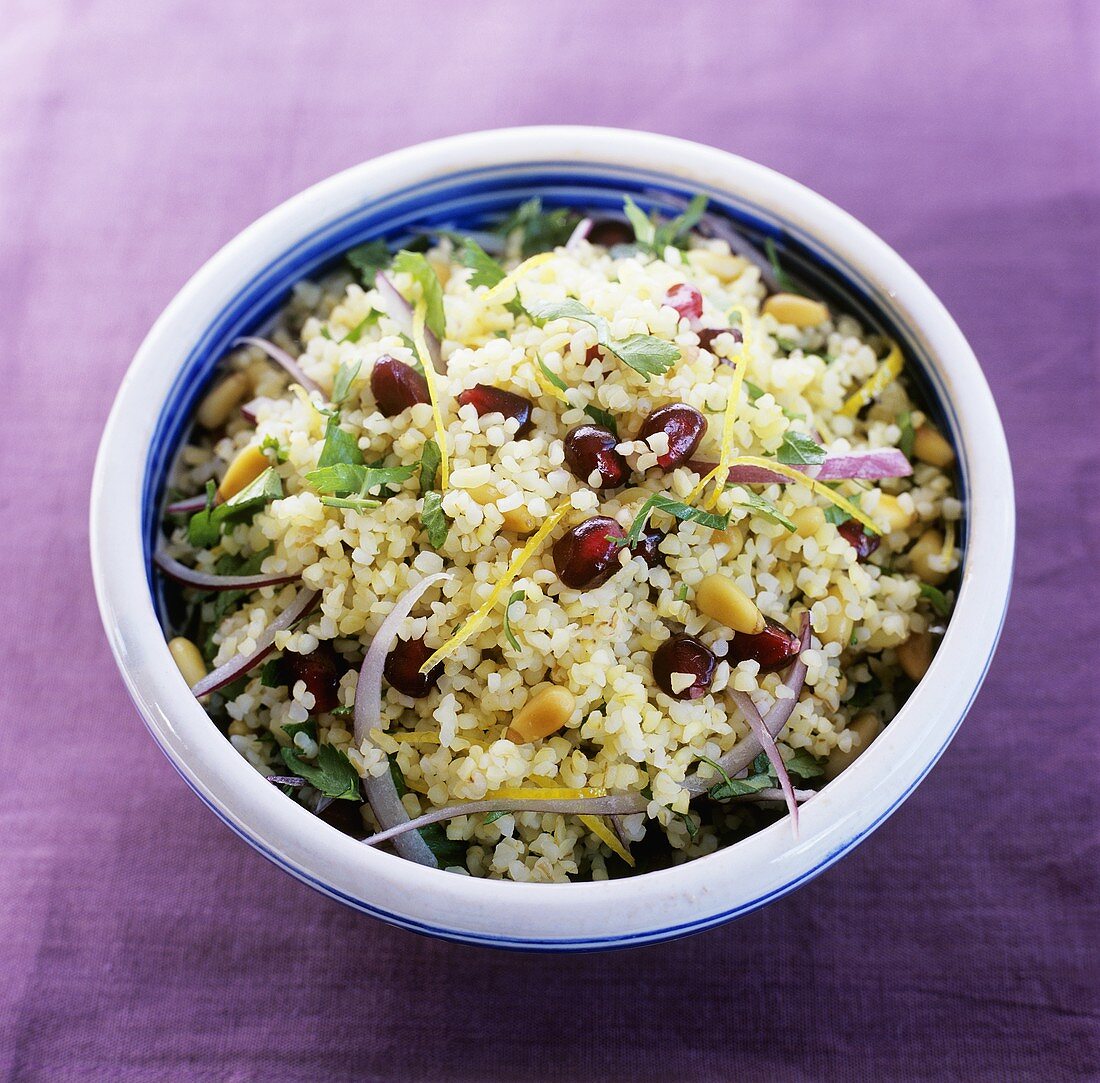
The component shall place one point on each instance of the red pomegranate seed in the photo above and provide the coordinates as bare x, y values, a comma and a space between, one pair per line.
586, 556
396, 386
495, 400
774, 648
863, 543
648, 547
687, 300
592, 447
610, 232
684, 654
320, 671
402, 668
707, 335
592, 354
683, 425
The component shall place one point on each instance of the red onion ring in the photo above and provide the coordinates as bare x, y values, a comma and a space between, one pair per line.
381, 791
400, 311
867, 465
281, 358
767, 742
188, 506
303, 602
580, 232
206, 581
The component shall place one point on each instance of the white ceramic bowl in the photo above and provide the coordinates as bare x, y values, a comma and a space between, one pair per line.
466, 176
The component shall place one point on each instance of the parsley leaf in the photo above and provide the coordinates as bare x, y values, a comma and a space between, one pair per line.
937, 598
415, 265
646, 354
517, 596
487, 271
333, 773
430, 458
308, 727
364, 325
204, 529
755, 392
539, 230
340, 447
447, 851
434, 521
765, 509
345, 377
271, 675
341, 479
656, 237
662, 503
738, 787
798, 449
905, 441
278, 452
368, 259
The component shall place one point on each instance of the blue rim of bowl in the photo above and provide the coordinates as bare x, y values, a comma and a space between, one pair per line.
467, 199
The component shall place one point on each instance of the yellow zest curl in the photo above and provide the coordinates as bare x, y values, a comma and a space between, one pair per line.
522, 557
595, 824
547, 387
419, 315
511, 281
889, 369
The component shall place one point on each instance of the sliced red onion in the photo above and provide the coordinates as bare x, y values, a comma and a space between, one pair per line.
250, 410
772, 793
580, 232
381, 791
188, 506
281, 358
400, 311
303, 602
767, 742
286, 780
205, 581
868, 465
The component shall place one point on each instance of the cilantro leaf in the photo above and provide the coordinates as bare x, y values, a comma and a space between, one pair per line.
662, 503
539, 230
270, 674
430, 458
656, 237
517, 596
798, 449
368, 259
204, 529
738, 787
836, 515
333, 773
435, 522
936, 598
487, 271
765, 509
341, 479
340, 447
416, 266
345, 377
646, 354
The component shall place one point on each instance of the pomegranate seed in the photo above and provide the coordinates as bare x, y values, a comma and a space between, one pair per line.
648, 547
586, 556
683, 425
610, 232
863, 543
774, 648
684, 654
495, 400
592, 447
707, 335
396, 386
321, 671
592, 354
402, 668
687, 300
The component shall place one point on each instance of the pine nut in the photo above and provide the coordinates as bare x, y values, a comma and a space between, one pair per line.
915, 655
543, 714
929, 544
795, 310
519, 521
808, 521
721, 599
930, 447
188, 659
220, 402
889, 511
243, 471
867, 726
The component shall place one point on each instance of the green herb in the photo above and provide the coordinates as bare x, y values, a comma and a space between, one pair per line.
781, 277
602, 417
364, 325
517, 596
682, 592
690, 823
738, 787
368, 259
754, 392
434, 521
798, 449
333, 773
765, 509
225, 601
937, 598
865, 694
430, 458
345, 377
343, 711
204, 529
556, 380
905, 441
342, 478
645, 232
786, 344
415, 265
277, 450
656, 237
539, 230
353, 503
494, 816
340, 448
684, 512
835, 515
308, 727
646, 354
803, 764
717, 767
487, 271
270, 676
447, 851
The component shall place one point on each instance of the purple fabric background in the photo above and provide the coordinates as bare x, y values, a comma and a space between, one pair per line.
140, 940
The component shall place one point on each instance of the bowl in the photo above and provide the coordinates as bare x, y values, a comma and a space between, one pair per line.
462, 180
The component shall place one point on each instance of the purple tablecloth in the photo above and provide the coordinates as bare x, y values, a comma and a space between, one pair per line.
140, 940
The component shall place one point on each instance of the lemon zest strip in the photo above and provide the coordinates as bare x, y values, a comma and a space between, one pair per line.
496, 292
522, 557
419, 315
598, 828
547, 387
813, 485
888, 370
